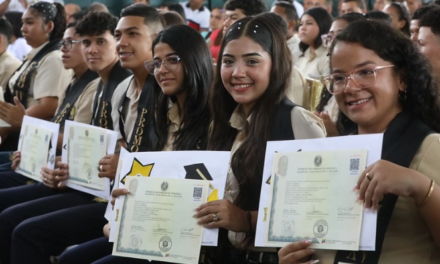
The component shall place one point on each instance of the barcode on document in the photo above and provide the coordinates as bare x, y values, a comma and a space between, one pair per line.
197, 193
354, 164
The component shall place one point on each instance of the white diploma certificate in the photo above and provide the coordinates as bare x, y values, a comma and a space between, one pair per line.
156, 221
85, 148
37, 144
2, 98
312, 198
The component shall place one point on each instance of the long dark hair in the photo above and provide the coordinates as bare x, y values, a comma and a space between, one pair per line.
324, 21
196, 60
57, 15
422, 94
247, 161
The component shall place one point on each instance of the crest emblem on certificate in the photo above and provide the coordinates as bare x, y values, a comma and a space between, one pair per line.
165, 244
135, 241
164, 186
318, 160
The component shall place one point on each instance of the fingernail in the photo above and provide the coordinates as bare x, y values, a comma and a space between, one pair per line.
355, 188
312, 250
126, 192
308, 242
315, 261
195, 216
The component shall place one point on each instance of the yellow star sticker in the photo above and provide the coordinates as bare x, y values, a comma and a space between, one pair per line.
138, 169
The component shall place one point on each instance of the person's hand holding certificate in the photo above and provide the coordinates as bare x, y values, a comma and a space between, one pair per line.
86, 146
156, 220
312, 198
36, 137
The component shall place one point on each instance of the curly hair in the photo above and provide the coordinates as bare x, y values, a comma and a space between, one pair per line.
431, 20
249, 7
422, 84
419, 13
96, 23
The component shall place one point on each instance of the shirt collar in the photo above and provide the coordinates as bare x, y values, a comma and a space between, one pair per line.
34, 52
238, 119
173, 115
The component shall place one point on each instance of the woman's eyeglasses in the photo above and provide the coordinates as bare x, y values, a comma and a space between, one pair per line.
170, 63
363, 78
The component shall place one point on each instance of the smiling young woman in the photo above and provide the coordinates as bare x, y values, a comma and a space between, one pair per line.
384, 85
250, 83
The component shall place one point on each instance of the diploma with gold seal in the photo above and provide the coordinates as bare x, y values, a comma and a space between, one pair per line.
312, 198
156, 220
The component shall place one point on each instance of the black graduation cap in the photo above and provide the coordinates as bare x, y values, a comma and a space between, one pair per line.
197, 172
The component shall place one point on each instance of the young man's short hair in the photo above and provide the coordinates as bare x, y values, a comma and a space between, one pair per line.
249, 7
360, 3
151, 16
430, 19
289, 10
96, 23
421, 12
6, 28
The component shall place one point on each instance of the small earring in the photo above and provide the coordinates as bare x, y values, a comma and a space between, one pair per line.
403, 96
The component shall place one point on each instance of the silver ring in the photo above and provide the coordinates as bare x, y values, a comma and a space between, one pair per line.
45, 179
100, 168
368, 176
215, 217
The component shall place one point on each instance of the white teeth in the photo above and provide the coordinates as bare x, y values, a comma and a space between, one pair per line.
242, 86
360, 102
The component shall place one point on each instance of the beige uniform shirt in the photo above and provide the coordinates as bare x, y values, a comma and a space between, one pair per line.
83, 105
173, 126
293, 44
8, 65
48, 80
305, 125
297, 87
408, 239
314, 65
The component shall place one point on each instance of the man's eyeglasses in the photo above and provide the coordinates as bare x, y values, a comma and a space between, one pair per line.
67, 44
363, 78
170, 63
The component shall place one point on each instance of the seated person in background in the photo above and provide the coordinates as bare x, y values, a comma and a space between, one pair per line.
400, 17
34, 89
415, 20
147, 2
176, 8
353, 6
288, 12
8, 63
379, 16
197, 15
18, 46
313, 62
429, 37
